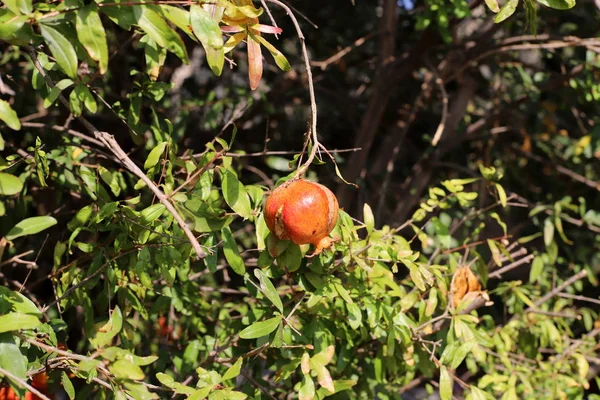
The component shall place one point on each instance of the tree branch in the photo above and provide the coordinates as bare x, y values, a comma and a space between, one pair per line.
111, 144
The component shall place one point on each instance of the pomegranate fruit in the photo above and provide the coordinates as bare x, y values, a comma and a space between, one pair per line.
303, 212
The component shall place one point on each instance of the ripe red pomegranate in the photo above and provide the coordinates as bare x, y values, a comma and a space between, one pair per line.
303, 212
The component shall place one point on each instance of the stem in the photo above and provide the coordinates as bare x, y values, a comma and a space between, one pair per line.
316, 145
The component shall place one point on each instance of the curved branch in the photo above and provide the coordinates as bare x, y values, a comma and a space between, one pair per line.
312, 134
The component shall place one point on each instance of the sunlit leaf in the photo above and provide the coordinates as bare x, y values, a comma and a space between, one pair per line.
61, 48
261, 328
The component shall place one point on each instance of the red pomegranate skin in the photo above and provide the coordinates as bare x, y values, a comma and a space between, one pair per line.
303, 212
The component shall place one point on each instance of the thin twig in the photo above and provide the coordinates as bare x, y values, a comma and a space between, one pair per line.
340, 54
556, 314
311, 91
513, 265
578, 297
442, 125
23, 384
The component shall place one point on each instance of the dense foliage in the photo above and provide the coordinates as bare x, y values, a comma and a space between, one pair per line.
140, 139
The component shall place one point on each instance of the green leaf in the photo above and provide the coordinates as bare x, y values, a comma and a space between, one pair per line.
559, 228
261, 328
62, 50
85, 96
19, 6
56, 91
548, 231
18, 302
9, 116
31, 226
9, 184
307, 389
17, 321
268, 289
445, 384
92, 36
215, 59
232, 254
159, 31
125, 369
155, 155
558, 4
369, 218
501, 194
12, 360
67, 385
179, 17
493, 5
536, 269
495, 252
415, 275
235, 194
111, 329
151, 213
75, 104
354, 315
234, 370
205, 27
291, 258
279, 58
506, 11
461, 353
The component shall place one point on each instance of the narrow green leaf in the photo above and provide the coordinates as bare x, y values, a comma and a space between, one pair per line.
17, 321
56, 91
234, 370
369, 218
506, 11
9, 116
536, 269
232, 254
9, 184
159, 31
548, 231
279, 58
461, 353
261, 328
67, 385
91, 34
235, 194
445, 384
152, 212
62, 50
31, 226
495, 252
501, 194
155, 155
558, 4
268, 289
